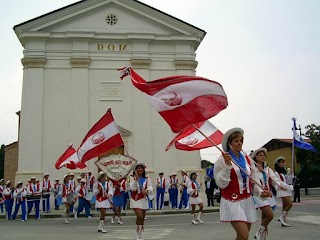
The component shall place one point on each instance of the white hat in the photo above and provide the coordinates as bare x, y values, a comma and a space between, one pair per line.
64, 177
2, 180
101, 173
33, 178
278, 159
257, 151
174, 174
19, 183
183, 171
8, 182
139, 164
46, 174
57, 179
37, 180
71, 174
79, 178
227, 135
83, 180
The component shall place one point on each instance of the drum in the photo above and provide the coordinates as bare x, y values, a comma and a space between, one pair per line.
70, 198
37, 196
89, 196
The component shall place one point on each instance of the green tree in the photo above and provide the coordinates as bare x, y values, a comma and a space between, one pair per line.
206, 164
2, 161
310, 161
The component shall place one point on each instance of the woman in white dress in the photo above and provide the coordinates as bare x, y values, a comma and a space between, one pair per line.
284, 190
266, 205
68, 197
104, 193
237, 205
140, 187
194, 199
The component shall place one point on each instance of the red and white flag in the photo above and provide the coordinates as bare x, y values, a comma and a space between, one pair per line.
69, 159
181, 100
191, 139
102, 137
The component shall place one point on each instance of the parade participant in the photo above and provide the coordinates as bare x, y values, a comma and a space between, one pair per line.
117, 200
20, 195
72, 187
266, 177
140, 187
103, 192
81, 192
8, 199
237, 205
283, 192
46, 189
90, 180
29, 197
183, 190
169, 191
56, 193
2, 186
124, 193
296, 188
161, 188
67, 194
193, 190
35, 191
173, 187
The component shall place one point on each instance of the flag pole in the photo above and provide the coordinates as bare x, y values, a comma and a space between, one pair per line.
215, 145
292, 152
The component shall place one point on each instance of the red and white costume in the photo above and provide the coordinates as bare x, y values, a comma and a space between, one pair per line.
237, 203
20, 194
161, 182
103, 193
67, 193
269, 201
34, 190
46, 186
283, 183
138, 199
90, 181
123, 185
193, 191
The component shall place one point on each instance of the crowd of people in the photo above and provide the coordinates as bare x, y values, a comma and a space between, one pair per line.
244, 184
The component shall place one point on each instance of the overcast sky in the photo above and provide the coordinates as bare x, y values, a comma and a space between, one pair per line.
266, 55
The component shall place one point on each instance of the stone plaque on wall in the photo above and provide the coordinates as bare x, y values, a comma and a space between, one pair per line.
111, 91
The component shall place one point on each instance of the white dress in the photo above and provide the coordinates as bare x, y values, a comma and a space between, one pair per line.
191, 190
141, 203
283, 182
239, 209
101, 193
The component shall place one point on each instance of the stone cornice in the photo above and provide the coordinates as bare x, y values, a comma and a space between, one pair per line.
80, 62
139, 63
33, 62
185, 64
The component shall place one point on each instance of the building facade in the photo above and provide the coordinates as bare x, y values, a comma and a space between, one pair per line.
70, 78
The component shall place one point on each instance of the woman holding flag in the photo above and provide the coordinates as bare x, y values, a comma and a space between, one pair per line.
104, 193
283, 190
236, 175
140, 187
266, 205
194, 199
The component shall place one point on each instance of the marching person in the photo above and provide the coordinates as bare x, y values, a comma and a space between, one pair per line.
266, 205
29, 197
193, 190
117, 200
124, 193
183, 190
72, 187
46, 189
8, 199
140, 187
103, 192
161, 188
20, 195
35, 191
2, 186
173, 187
237, 205
90, 180
81, 192
67, 193
56, 193
283, 192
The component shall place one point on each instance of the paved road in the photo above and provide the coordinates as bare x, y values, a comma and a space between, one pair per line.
304, 218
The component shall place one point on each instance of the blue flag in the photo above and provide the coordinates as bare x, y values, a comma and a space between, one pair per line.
298, 140
210, 172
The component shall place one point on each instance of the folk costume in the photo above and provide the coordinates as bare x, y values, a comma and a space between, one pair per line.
161, 188
20, 195
46, 189
35, 191
183, 190
8, 199
173, 191
193, 190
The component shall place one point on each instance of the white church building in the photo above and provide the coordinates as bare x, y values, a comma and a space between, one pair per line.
70, 78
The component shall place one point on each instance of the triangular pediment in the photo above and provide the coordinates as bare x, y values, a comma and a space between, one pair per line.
108, 17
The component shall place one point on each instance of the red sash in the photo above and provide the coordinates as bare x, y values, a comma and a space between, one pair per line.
195, 193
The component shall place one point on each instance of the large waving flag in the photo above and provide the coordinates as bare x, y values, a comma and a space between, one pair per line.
298, 140
181, 100
191, 139
102, 137
69, 159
